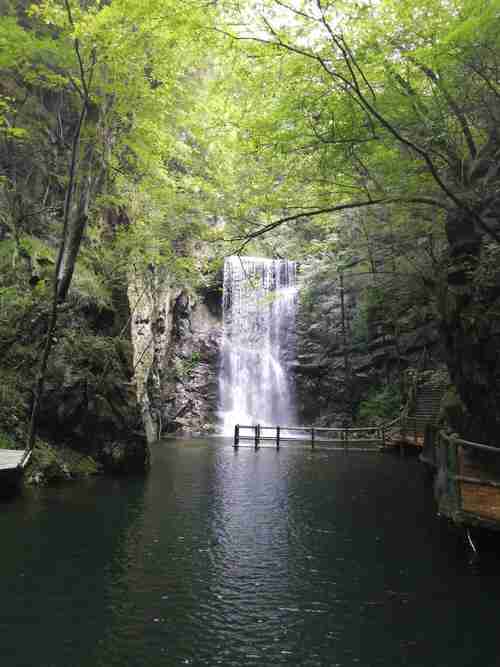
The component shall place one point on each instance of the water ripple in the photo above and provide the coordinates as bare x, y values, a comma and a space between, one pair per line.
243, 559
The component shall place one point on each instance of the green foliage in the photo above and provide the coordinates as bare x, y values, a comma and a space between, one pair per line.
95, 358
89, 289
194, 135
13, 395
359, 334
6, 441
337, 103
184, 367
145, 62
381, 404
50, 465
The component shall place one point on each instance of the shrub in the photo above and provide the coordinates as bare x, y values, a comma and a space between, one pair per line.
381, 404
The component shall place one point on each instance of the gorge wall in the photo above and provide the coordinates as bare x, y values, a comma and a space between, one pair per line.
177, 339
333, 378
353, 343
176, 334
89, 418
470, 307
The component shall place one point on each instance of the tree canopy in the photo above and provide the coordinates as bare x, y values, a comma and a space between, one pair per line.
250, 113
360, 103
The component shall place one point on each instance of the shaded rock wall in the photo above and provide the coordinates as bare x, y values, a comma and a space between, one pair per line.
471, 324
89, 400
331, 378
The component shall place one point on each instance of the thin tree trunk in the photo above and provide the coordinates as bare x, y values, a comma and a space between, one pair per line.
70, 240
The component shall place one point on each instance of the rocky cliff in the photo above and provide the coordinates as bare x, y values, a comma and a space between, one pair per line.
470, 308
348, 347
89, 418
176, 335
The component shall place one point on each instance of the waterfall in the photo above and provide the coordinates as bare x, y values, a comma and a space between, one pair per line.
259, 301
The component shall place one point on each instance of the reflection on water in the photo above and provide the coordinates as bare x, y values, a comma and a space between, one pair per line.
243, 558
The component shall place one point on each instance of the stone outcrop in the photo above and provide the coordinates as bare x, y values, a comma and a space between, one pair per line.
150, 299
89, 400
331, 378
190, 383
176, 336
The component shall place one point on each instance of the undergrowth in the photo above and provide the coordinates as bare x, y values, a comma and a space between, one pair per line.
381, 404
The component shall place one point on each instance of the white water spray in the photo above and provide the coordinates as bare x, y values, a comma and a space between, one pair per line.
260, 299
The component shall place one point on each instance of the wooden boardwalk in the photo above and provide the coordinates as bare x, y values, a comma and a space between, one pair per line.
359, 439
12, 465
422, 411
10, 459
467, 479
479, 487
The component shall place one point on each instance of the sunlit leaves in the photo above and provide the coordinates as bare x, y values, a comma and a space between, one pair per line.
347, 101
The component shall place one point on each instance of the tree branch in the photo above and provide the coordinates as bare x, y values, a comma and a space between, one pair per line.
333, 209
459, 115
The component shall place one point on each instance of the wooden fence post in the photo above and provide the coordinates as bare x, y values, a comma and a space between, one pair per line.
257, 436
434, 443
454, 469
277, 437
236, 436
312, 438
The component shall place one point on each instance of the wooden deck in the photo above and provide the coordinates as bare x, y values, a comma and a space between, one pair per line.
479, 487
345, 439
12, 465
467, 479
11, 459
405, 440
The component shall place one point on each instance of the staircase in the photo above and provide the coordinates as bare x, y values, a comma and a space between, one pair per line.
427, 404
422, 409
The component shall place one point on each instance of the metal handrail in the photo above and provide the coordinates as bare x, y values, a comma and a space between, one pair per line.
341, 436
309, 428
345, 435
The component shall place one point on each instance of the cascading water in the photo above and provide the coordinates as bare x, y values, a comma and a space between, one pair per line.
260, 299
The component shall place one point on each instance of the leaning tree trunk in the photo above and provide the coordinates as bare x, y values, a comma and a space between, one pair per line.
73, 226
77, 221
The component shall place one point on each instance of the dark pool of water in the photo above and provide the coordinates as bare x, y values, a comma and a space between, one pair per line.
243, 558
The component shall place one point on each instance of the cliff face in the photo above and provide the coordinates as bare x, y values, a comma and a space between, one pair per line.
176, 337
471, 324
189, 377
347, 352
150, 299
89, 400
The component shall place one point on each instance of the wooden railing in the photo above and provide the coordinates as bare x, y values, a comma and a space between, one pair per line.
413, 381
467, 484
26, 457
361, 439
